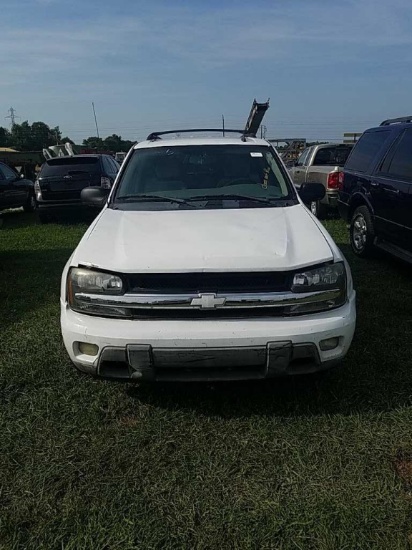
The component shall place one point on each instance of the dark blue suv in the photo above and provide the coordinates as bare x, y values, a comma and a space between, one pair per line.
376, 191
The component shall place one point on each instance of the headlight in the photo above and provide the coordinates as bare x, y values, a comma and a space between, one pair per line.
82, 284
328, 283
37, 190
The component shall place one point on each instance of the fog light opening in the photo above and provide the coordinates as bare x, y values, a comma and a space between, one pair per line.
329, 344
88, 349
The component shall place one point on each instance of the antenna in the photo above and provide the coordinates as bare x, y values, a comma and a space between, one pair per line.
223, 125
12, 116
95, 120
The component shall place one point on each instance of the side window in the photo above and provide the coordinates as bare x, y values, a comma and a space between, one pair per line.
113, 165
106, 166
7, 172
398, 162
365, 150
116, 166
302, 159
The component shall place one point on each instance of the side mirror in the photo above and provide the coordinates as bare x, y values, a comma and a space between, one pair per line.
94, 196
310, 192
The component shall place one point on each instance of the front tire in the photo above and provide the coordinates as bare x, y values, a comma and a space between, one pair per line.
362, 232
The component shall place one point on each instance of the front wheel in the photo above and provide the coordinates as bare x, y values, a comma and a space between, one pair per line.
362, 232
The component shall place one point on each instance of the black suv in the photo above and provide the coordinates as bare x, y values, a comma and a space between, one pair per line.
376, 192
15, 190
62, 179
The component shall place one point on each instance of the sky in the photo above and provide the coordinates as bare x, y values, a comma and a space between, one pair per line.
328, 67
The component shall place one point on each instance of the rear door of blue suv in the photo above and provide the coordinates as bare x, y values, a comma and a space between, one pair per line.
391, 188
377, 190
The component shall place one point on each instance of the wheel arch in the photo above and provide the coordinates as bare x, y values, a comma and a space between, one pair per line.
358, 199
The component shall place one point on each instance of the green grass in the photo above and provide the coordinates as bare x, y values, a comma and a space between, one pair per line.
302, 463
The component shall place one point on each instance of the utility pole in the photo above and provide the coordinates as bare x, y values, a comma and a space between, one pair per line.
12, 116
95, 120
223, 125
263, 130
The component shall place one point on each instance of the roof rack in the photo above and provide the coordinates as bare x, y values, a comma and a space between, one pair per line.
257, 112
156, 135
396, 120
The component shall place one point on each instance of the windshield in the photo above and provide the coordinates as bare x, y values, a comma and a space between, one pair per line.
195, 173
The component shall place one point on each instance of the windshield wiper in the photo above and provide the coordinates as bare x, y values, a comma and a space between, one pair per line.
158, 198
235, 197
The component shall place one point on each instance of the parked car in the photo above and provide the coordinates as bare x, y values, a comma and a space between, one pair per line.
61, 180
205, 264
323, 164
15, 190
376, 192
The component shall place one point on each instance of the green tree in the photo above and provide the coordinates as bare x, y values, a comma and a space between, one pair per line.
113, 143
66, 140
127, 144
4, 137
94, 142
34, 137
20, 136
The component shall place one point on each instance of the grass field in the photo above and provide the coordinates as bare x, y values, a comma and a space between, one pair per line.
302, 463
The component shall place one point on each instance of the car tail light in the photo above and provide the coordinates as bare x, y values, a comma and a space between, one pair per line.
333, 180
105, 182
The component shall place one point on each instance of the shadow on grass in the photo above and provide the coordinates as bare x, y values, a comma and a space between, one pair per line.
29, 280
17, 218
375, 376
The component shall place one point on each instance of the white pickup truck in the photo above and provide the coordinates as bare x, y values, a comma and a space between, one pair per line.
322, 164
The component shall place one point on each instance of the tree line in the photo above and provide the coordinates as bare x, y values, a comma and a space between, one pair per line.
37, 136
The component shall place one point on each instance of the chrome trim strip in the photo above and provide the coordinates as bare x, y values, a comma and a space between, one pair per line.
229, 301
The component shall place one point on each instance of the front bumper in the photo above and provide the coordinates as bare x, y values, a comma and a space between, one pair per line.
230, 349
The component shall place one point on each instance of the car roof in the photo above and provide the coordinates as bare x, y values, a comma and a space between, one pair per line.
398, 127
179, 142
88, 155
394, 123
330, 144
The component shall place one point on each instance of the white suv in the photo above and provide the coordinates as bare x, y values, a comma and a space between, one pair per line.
204, 264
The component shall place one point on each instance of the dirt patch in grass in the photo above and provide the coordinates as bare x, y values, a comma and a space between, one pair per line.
403, 467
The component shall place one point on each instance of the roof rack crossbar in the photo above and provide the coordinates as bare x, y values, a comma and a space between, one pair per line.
156, 135
396, 120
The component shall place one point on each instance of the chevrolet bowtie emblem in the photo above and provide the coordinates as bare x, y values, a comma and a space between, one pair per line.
207, 301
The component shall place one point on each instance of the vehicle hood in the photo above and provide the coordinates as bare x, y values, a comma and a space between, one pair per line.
255, 239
